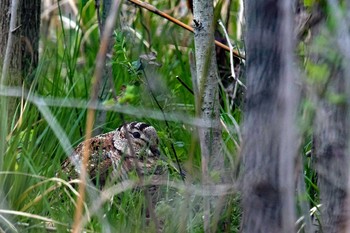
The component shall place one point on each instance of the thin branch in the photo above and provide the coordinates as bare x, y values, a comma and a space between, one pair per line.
100, 64
153, 9
231, 55
185, 85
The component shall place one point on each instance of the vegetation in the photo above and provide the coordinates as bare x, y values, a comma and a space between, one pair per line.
54, 109
152, 65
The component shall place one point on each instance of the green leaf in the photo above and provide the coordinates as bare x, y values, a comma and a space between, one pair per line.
317, 72
336, 98
217, 10
309, 3
84, 2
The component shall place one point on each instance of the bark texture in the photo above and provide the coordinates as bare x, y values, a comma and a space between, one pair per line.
15, 60
207, 99
331, 133
30, 32
24, 57
207, 78
25, 43
10, 61
331, 144
269, 137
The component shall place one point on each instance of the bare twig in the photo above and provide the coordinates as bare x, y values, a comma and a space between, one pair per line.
181, 24
185, 85
231, 54
231, 62
100, 63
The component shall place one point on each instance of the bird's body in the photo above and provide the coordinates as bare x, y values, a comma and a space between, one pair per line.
132, 147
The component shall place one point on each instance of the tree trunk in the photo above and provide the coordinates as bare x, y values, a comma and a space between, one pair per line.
331, 133
30, 32
269, 136
23, 50
208, 98
11, 66
207, 77
331, 142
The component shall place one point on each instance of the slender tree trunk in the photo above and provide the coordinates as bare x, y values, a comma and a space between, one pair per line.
207, 77
269, 135
208, 99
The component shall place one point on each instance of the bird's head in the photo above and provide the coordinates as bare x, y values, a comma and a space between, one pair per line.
137, 139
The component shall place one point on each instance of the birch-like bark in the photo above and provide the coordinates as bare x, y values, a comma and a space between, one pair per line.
207, 78
269, 130
208, 99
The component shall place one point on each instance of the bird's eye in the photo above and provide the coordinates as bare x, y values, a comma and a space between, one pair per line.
136, 134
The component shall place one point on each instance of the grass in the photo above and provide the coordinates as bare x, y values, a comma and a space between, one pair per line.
36, 145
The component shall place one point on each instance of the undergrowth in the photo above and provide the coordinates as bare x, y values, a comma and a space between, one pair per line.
29, 182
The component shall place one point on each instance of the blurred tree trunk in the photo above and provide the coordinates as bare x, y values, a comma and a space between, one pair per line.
11, 70
208, 97
24, 58
269, 130
23, 54
331, 134
331, 150
30, 32
21, 60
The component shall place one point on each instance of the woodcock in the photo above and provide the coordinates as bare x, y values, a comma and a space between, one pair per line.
131, 148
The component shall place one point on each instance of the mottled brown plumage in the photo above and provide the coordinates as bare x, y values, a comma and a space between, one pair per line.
132, 147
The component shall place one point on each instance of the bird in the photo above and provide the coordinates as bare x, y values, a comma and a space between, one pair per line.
113, 156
